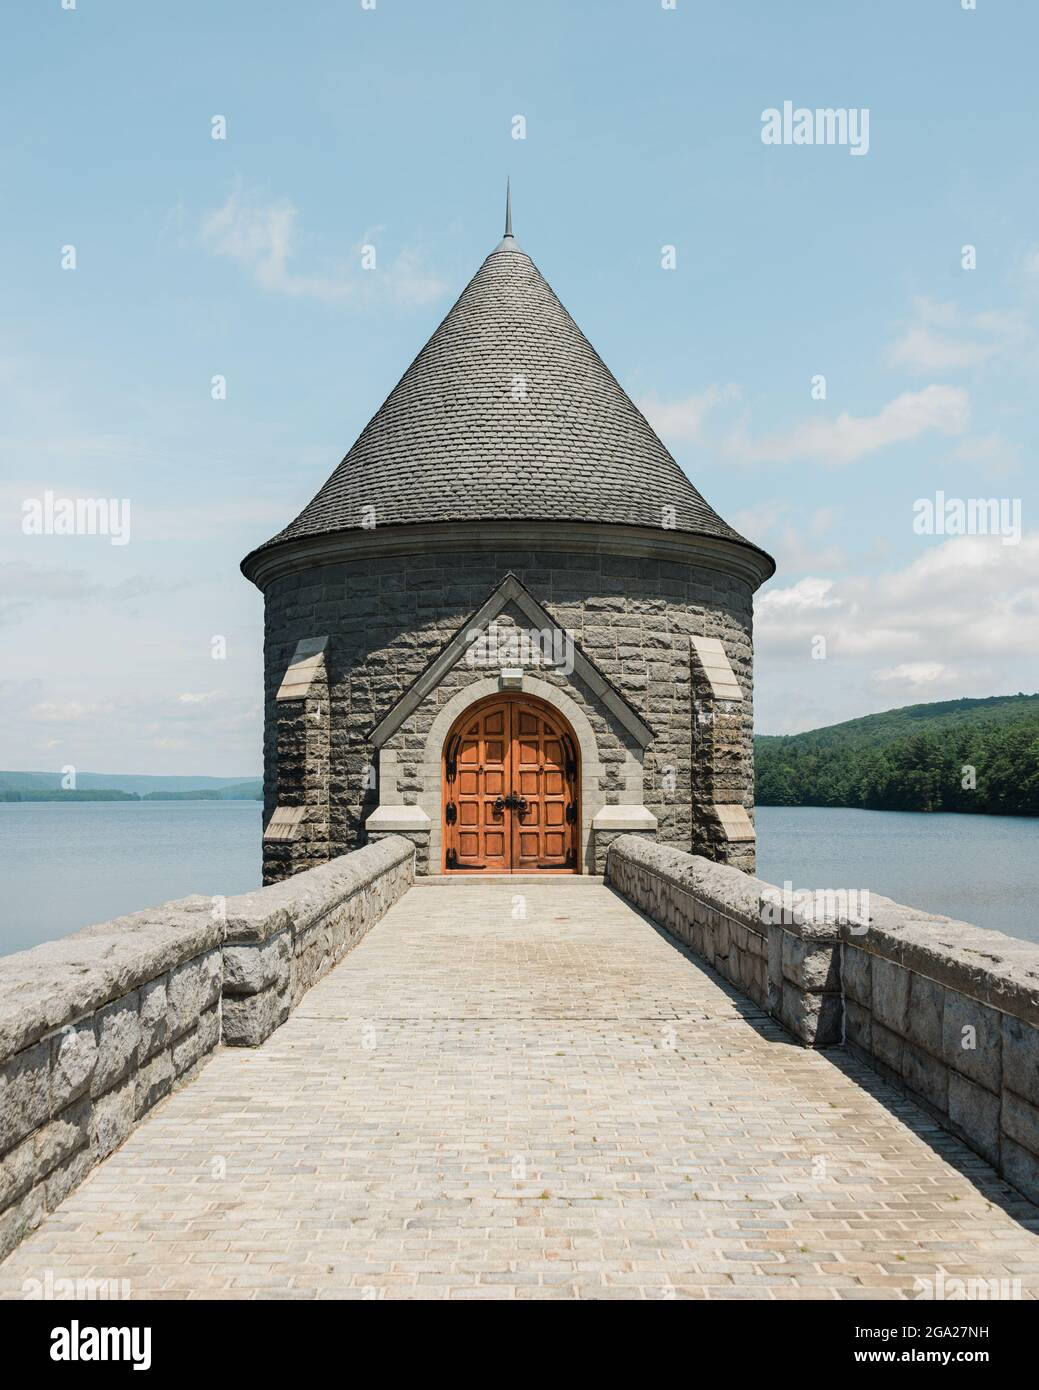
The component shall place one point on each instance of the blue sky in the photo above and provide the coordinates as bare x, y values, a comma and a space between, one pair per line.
393, 127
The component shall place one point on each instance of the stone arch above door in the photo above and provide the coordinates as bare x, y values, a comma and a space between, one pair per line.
420, 815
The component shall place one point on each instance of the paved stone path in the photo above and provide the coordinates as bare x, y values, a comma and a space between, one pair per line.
480, 1105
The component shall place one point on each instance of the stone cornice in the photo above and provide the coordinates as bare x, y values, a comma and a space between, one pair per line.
740, 561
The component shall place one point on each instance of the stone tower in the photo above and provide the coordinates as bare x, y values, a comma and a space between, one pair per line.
507, 626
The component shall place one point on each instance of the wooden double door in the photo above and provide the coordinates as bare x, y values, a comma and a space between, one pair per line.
510, 790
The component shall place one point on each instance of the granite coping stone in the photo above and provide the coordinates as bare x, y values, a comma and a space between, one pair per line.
296, 903
730, 890
987, 966
54, 984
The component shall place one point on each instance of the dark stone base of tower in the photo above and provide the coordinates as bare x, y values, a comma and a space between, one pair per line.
508, 535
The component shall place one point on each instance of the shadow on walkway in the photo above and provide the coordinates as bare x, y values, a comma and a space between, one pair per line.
900, 1105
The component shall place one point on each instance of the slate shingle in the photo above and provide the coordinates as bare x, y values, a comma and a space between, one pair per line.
508, 412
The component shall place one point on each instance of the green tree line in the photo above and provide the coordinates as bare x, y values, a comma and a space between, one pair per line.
980, 765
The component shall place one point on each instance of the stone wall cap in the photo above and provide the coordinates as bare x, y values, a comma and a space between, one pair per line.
296, 902
988, 966
53, 984
728, 889
389, 818
624, 818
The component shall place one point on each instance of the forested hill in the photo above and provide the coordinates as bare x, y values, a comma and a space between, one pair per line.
920, 758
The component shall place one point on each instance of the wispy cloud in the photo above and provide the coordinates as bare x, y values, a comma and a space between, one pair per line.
262, 238
941, 338
681, 421
23, 586
967, 600
847, 438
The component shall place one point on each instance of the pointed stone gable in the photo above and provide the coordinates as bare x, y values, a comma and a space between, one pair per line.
509, 592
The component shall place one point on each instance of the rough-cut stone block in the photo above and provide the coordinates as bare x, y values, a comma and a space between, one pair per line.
887, 1047
973, 1036
858, 1025
153, 1081
186, 1051
187, 992
1020, 1167
811, 966
250, 1018
211, 967
1021, 1122
73, 1059
252, 968
67, 1176
1021, 1058
118, 1038
24, 1094
926, 1076
153, 1017
891, 996
926, 1011
17, 1171
63, 1136
111, 1119
814, 1019
209, 1030
974, 1115
857, 976
20, 1218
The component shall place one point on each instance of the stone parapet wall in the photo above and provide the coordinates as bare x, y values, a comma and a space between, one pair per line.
94, 1030
97, 1028
950, 1014
283, 938
946, 1011
712, 908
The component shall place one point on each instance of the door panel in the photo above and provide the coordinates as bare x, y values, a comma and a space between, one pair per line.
480, 758
510, 802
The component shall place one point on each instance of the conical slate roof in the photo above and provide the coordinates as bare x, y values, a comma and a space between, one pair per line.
508, 412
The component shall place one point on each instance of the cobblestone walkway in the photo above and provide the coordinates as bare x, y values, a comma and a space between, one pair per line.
479, 1105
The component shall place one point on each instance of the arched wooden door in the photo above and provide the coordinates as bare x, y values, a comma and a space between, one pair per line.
510, 789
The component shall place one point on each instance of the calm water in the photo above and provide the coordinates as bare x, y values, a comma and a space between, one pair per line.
67, 866
980, 869
63, 867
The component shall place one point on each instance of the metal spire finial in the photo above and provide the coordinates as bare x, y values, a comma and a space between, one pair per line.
508, 207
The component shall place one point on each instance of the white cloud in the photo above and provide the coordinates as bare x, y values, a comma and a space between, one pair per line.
201, 698
66, 712
941, 338
960, 620
24, 586
927, 351
681, 421
847, 438
797, 545
916, 673
969, 598
261, 237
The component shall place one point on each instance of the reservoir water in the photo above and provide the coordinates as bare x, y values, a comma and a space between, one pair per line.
66, 866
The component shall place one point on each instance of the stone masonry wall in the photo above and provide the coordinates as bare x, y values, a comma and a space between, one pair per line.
386, 618
95, 1029
282, 939
711, 908
946, 1011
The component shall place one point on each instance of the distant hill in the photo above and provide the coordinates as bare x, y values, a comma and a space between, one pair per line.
918, 758
110, 786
